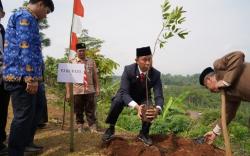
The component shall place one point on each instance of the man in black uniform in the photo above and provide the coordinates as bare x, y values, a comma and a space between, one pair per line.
132, 93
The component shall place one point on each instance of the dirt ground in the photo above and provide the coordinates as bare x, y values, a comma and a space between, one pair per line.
162, 146
56, 141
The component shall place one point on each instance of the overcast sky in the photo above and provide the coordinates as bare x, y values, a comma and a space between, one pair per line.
216, 28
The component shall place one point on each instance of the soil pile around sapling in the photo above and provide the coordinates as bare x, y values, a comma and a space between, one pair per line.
169, 145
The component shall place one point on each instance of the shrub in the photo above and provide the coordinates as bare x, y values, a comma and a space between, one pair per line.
209, 116
238, 131
179, 123
159, 127
196, 130
129, 122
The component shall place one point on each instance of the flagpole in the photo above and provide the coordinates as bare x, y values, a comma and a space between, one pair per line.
71, 147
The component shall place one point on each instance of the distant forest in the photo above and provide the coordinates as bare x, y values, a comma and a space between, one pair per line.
177, 80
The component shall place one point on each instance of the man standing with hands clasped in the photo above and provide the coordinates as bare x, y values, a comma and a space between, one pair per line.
84, 93
23, 66
232, 74
133, 92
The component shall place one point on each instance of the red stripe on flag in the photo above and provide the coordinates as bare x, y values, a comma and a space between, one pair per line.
73, 41
78, 13
78, 8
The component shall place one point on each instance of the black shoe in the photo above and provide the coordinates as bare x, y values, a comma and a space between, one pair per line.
41, 125
145, 139
3, 149
33, 148
109, 133
36, 146
2, 146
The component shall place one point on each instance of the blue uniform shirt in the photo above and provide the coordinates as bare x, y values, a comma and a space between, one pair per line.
23, 59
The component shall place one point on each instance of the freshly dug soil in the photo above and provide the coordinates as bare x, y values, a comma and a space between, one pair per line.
170, 145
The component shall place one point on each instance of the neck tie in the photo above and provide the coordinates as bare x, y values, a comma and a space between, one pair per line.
142, 77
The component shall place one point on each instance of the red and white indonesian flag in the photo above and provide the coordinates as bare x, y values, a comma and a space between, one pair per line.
76, 26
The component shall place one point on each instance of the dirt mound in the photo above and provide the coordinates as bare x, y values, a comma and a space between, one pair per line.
170, 145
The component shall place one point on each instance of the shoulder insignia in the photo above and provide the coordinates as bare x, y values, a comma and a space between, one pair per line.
24, 45
24, 22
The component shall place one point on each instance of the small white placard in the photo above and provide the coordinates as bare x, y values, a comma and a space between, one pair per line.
72, 73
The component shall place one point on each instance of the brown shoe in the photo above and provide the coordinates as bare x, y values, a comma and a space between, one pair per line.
93, 128
79, 128
86, 126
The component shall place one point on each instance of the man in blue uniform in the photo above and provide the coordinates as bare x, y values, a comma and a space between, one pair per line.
23, 66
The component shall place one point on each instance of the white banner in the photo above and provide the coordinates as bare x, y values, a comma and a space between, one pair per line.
72, 73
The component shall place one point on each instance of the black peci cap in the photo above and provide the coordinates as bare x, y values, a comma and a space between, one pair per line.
204, 73
80, 46
144, 51
47, 3
50, 4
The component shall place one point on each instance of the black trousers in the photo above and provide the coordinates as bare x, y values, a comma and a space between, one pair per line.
116, 108
4, 103
40, 111
43, 102
27, 113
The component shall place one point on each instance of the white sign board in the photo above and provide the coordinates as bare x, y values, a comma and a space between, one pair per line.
71, 73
